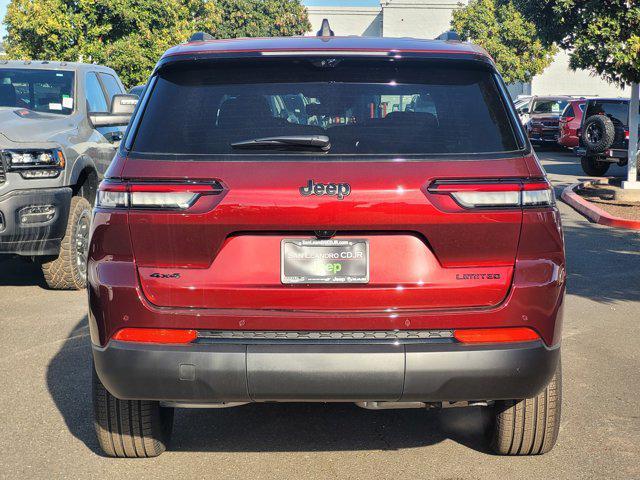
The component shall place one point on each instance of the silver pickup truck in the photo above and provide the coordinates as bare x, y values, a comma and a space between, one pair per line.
60, 125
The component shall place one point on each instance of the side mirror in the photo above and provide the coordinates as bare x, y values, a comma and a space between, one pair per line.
122, 107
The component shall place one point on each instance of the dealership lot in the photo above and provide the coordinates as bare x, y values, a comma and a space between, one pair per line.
46, 429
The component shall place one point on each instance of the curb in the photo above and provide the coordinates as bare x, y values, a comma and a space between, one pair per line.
594, 213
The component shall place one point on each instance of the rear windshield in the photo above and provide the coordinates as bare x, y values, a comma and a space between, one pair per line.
49, 91
363, 107
616, 110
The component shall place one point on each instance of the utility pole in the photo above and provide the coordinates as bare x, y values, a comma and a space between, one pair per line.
632, 182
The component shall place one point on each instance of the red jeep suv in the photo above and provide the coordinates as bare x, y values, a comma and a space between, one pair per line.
325, 219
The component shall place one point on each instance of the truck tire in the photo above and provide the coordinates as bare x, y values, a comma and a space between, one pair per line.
592, 167
68, 271
130, 428
530, 426
598, 133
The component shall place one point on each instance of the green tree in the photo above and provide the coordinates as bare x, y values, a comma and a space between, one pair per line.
510, 39
600, 36
130, 35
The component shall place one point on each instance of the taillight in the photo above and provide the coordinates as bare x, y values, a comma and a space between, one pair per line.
155, 335
495, 193
626, 134
496, 335
148, 195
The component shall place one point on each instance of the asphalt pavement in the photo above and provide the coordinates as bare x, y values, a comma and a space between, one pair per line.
46, 426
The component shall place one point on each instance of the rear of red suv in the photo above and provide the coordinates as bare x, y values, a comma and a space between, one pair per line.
325, 219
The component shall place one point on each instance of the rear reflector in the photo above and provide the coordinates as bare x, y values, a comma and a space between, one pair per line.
155, 335
496, 193
159, 196
496, 335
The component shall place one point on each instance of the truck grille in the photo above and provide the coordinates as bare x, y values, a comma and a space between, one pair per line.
3, 176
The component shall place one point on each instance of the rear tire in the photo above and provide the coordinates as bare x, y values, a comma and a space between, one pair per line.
530, 426
592, 167
130, 428
68, 271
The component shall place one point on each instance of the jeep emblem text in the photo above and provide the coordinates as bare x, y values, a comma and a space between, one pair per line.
340, 190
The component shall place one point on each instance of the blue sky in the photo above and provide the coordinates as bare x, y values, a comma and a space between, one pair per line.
345, 3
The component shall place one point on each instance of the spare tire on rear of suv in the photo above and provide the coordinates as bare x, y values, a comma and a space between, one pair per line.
598, 133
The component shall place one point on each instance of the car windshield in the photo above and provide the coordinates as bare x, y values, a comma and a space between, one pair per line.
49, 91
549, 106
363, 107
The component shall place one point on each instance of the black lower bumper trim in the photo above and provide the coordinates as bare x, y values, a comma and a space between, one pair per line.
34, 239
316, 372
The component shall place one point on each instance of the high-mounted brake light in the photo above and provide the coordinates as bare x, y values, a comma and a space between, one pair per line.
496, 194
495, 335
155, 335
171, 196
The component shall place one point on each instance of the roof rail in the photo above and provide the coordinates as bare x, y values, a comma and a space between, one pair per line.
325, 29
200, 37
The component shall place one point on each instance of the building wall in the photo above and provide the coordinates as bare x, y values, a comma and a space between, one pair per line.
431, 18
417, 18
363, 21
559, 79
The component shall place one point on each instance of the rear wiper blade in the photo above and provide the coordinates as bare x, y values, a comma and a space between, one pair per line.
287, 142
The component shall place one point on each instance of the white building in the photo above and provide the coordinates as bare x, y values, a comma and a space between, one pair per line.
431, 18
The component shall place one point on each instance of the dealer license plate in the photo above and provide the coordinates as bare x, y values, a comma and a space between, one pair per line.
324, 261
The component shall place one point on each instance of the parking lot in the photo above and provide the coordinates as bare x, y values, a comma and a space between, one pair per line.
46, 426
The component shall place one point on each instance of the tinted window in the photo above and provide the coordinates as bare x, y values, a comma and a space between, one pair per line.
616, 110
568, 112
364, 107
49, 91
95, 95
111, 85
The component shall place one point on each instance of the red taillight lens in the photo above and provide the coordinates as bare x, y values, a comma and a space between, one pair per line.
496, 335
164, 196
155, 335
496, 194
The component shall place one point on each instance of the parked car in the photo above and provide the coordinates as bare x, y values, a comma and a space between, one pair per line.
541, 118
570, 121
60, 126
396, 258
604, 135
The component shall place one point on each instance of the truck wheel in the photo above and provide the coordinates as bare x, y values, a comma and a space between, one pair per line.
592, 167
598, 133
68, 271
130, 428
530, 426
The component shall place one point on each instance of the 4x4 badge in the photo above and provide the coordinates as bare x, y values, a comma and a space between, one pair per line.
339, 190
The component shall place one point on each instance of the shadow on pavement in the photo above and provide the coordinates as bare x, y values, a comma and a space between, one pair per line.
563, 162
603, 263
20, 272
273, 427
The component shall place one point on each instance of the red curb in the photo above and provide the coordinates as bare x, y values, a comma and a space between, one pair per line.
594, 213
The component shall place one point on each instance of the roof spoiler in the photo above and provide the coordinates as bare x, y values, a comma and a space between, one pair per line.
200, 37
325, 29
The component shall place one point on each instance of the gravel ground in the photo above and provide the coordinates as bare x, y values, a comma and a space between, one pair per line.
46, 430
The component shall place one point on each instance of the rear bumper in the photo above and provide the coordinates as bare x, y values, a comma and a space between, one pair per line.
275, 371
36, 238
